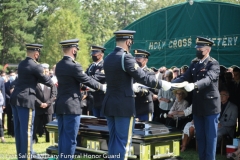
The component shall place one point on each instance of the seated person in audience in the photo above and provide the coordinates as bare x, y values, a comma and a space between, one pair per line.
235, 155
188, 134
189, 130
227, 120
228, 116
179, 105
165, 98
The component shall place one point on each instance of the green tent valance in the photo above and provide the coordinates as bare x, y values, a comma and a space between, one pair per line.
169, 34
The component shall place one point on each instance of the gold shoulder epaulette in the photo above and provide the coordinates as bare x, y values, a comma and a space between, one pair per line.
148, 69
35, 61
212, 59
195, 60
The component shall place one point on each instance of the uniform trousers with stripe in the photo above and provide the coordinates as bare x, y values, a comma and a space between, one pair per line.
206, 135
120, 136
23, 119
68, 126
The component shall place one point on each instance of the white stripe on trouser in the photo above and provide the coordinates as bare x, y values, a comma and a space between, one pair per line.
29, 133
149, 116
129, 138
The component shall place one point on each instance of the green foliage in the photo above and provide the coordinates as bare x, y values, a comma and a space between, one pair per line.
98, 20
62, 25
16, 22
31, 21
102, 18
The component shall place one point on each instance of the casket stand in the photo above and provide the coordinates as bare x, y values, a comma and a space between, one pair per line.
151, 140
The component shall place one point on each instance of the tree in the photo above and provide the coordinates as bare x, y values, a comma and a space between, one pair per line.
154, 5
102, 18
98, 20
16, 22
27, 21
63, 24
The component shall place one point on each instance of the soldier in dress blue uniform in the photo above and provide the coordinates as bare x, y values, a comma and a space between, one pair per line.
68, 109
144, 100
119, 102
203, 75
22, 100
95, 70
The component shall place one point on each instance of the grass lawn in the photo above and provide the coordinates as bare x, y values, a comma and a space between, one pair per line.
8, 150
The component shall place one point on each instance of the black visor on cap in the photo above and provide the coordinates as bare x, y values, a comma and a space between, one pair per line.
202, 41
34, 47
96, 51
70, 43
140, 56
124, 34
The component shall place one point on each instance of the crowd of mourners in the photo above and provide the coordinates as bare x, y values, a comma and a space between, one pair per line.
171, 107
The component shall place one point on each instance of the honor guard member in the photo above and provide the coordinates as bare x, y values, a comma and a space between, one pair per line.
143, 100
96, 71
22, 100
119, 102
203, 75
68, 109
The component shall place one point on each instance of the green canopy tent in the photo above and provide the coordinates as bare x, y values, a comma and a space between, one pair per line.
169, 34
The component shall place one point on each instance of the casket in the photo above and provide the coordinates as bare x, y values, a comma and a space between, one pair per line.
151, 140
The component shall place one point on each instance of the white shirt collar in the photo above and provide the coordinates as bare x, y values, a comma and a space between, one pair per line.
97, 62
144, 67
202, 60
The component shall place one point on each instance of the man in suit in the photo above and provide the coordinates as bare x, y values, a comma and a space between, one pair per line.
119, 102
228, 116
143, 100
68, 103
45, 96
22, 99
8, 109
95, 70
203, 75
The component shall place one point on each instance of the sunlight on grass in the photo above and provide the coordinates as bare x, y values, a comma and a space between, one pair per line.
8, 149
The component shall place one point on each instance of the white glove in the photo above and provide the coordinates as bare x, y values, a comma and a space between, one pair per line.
90, 89
54, 79
104, 87
136, 87
165, 115
166, 85
189, 87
